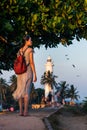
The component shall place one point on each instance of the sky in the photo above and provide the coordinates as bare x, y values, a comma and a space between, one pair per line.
70, 65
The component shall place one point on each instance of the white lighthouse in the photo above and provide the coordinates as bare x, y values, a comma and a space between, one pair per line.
49, 67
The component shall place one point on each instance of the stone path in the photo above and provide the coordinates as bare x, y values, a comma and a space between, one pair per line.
12, 121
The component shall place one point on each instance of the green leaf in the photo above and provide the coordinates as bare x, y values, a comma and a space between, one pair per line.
8, 26
70, 16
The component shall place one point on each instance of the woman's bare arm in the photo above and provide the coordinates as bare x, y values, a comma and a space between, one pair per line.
33, 66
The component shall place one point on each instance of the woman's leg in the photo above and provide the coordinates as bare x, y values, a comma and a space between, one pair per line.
21, 106
26, 103
27, 96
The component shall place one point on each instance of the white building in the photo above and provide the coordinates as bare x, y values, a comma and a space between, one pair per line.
49, 67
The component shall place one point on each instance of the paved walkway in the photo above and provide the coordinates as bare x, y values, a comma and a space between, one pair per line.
12, 121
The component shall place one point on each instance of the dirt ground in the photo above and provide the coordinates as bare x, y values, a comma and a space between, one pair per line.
65, 119
70, 122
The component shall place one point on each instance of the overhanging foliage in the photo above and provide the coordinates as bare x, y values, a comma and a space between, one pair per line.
49, 22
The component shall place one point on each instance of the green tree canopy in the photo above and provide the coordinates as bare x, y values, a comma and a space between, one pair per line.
49, 22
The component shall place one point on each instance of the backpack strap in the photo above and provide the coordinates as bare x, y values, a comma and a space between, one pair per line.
25, 50
22, 52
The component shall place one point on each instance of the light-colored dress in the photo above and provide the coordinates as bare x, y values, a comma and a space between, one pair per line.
24, 81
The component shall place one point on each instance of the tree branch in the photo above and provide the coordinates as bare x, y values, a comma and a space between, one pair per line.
3, 39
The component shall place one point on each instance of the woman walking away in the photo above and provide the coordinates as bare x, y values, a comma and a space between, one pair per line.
24, 81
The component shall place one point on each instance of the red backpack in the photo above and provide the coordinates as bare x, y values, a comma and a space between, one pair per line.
20, 64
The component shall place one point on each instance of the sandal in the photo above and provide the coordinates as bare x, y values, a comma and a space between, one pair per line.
26, 114
21, 114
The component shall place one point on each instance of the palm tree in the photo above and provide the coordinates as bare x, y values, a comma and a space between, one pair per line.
13, 81
3, 90
10, 90
73, 93
40, 93
33, 94
48, 78
62, 88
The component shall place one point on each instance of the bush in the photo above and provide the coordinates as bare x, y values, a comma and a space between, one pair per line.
85, 105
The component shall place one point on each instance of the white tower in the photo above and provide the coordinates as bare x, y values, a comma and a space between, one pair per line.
49, 67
